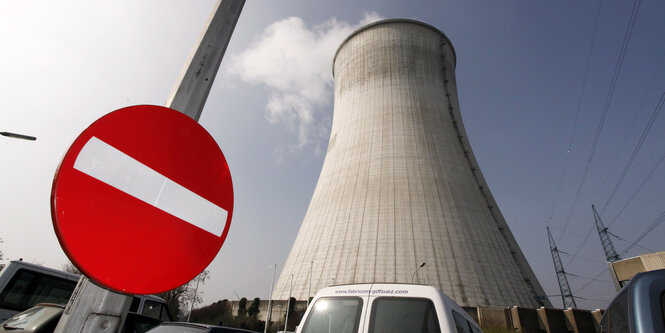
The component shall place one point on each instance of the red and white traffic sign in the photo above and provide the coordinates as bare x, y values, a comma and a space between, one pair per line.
143, 199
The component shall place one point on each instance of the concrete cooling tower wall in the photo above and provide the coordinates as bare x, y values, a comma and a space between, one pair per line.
400, 185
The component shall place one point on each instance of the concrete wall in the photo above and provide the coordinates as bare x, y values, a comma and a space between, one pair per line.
519, 319
400, 185
278, 309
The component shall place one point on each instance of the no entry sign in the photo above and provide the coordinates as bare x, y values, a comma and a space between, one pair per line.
142, 200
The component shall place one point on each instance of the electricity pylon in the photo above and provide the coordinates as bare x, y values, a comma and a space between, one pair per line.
564, 286
605, 241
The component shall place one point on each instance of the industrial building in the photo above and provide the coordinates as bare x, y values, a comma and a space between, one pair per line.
400, 185
624, 270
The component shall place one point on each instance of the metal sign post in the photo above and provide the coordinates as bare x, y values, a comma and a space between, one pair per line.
92, 308
191, 91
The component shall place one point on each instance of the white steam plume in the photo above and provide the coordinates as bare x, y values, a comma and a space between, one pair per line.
294, 62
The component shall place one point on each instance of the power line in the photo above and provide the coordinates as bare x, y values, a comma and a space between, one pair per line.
594, 279
639, 188
645, 132
633, 196
653, 225
625, 240
606, 106
578, 110
654, 115
593, 299
580, 257
632, 125
586, 237
588, 278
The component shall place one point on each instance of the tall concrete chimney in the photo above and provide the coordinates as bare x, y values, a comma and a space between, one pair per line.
400, 185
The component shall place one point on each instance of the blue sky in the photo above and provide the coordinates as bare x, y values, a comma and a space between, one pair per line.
520, 73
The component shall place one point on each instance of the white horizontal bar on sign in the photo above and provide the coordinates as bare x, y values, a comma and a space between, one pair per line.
109, 165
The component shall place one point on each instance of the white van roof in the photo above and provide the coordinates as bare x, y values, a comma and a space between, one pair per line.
366, 290
384, 289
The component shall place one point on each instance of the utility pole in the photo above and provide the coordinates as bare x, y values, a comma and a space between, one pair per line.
92, 308
605, 241
309, 290
18, 136
416, 271
272, 283
203, 276
191, 91
288, 305
564, 286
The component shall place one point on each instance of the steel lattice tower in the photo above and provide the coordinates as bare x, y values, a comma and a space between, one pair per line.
566, 293
610, 252
400, 184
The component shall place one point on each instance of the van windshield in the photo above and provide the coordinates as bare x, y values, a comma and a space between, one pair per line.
334, 315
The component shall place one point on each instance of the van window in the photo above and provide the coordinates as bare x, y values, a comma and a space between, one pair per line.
334, 315
152, 309
403, 315
134, 307
662, 304
463, 325
156, 310
166, 314
27, 288
617, 314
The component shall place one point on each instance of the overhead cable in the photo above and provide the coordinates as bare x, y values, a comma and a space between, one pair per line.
653, 225
578, 110
633, 196
645, 132
639, 188
592, 281
606, 106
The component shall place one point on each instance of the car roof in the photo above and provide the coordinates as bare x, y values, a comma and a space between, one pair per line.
152, 298
198, 325
182, 323
56, 305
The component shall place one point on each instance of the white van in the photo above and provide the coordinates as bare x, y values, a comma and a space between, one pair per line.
385, 308
23, 285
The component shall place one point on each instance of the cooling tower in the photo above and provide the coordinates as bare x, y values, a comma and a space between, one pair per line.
400, 185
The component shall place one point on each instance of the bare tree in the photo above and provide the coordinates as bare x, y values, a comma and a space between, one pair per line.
174, 299
179, 299
70, 268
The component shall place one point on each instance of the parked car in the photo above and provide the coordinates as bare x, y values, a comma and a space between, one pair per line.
38, 319
639, 307
23, 285
385, 308
177, 327
44, 317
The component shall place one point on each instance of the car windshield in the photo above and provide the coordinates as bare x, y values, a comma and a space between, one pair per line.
334, 315
24, 319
